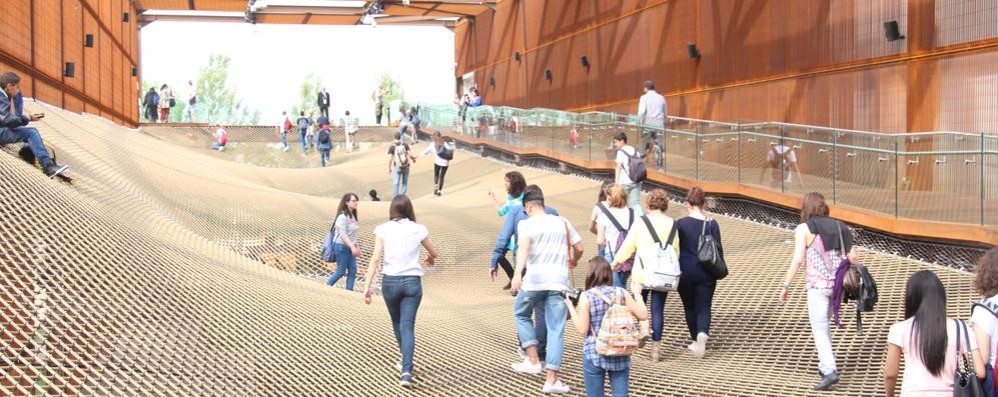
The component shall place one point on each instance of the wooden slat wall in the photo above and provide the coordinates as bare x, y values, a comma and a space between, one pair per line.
37, 37
811, 62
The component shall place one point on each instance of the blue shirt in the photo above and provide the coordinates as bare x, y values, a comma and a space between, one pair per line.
508, 234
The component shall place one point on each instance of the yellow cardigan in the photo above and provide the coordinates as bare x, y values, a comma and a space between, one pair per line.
639, 236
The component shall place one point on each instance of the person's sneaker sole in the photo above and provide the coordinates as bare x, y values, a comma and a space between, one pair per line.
61, 169
700, 348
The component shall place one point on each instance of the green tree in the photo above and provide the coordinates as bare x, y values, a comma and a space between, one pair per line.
217, 102
395, 92
307, 101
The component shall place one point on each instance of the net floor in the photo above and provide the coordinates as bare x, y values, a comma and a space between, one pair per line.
171, 270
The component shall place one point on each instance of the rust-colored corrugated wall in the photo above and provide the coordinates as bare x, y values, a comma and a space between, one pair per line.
39, 37
810, 62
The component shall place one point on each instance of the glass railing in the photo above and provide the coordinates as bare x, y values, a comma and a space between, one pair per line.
941, 176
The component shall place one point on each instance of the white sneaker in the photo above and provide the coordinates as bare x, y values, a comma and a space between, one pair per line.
221, 148
526, 367
692, 347
285, 148
556, 388
700, 346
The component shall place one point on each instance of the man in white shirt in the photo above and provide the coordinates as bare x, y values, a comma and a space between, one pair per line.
653, 113
192, 100
543, 249
633, 189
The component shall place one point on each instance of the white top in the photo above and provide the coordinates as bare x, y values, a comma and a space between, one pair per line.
621, 161
596, 211
612, 234
782, 149
547, 261
280, 124
346, 226
917, 380
432, 148
652, 109
349, 124
402, 239
981, 317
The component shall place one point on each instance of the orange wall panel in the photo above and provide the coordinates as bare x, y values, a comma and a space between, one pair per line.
72, 39
91, 59
48, 33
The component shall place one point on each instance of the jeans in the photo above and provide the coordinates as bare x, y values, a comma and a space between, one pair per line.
555, 314
657, 312
400, 180
217, 146
438, 177
620, 279
284, 139
345, 263
697, 299
817, 311
31, 137
656, 138
634, 198
323, 156
303, 140
594, 377
402, 296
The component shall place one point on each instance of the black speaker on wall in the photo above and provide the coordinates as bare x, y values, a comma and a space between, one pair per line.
547, 74
691, 48
70, 70
88, 40
516, 56
892, 31
135, 72
585, 61
492, 81
124, 17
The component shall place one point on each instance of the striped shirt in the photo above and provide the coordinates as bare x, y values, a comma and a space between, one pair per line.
547, 261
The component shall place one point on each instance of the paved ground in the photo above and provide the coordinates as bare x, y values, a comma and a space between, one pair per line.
173, 270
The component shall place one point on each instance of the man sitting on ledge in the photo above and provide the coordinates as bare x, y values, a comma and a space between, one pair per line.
13, 126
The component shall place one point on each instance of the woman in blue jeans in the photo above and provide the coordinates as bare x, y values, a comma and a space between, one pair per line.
345, 248
398, 241
588, 317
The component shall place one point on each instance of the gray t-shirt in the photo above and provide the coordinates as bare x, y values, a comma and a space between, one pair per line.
346, 226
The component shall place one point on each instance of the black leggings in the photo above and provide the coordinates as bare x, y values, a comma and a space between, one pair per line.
508, 268
438, 177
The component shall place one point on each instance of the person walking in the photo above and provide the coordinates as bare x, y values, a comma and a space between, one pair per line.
821, 257
151, 103
346, 246
543, 251
653, 114
166, 102
441, 160
588, 317
378, 97
399, 158
192, 100
397, 242
324, 141
984, 314
323, 103
928, 341
640, 239
303, 123
696, 286
514, 184
622, 177
283, 127
612, 224
604, 191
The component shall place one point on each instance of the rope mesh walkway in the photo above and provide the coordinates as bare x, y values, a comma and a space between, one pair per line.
167, 270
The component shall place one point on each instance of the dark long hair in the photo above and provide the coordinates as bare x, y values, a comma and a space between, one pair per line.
814, 205
925, 300
401, 207
599, 273
604, 190
343, 209
516, 183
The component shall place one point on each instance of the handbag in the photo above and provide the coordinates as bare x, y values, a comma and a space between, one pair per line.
965, 383
709, 256
328, 254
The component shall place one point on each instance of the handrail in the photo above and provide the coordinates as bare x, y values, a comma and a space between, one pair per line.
935, 176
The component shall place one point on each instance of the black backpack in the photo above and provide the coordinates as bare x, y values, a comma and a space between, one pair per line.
866, 297
635, 169
445, 152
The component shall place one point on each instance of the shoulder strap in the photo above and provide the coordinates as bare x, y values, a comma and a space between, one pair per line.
842, 244
956, 324
609, 215
703, 230
651, 229
602, 297
986, 305
672, 233
568, 243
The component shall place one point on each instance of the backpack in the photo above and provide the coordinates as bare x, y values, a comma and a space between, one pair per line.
627, 265
327, 245
635, 167
778, 158
323, 136
659, 261
445, 152
302, 123
287, 124
401, 155
866, 297
618, 331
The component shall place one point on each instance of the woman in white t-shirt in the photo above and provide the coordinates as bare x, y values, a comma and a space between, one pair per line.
983, 315
440, 164
604, 191
345, 242
608, 234
927, 340
398, 241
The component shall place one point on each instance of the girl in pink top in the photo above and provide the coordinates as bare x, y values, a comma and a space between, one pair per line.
927, 339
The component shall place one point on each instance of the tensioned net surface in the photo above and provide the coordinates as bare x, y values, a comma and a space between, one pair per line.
169, 269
